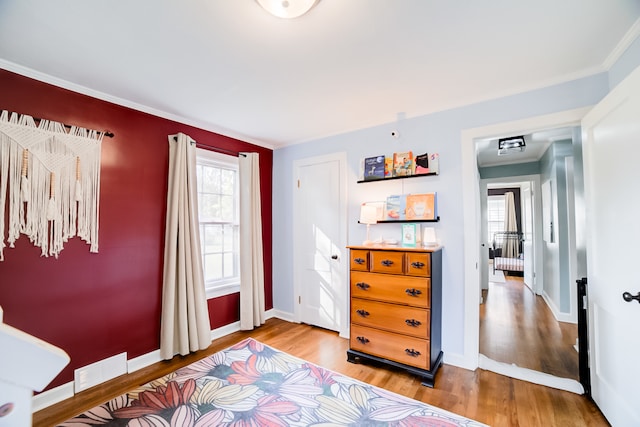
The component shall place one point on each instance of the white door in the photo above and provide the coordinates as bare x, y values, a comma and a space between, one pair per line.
320, 240
611, 141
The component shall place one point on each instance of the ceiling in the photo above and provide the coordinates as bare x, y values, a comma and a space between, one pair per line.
230, 67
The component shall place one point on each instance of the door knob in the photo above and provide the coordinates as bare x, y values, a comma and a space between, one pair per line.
628, 297
334, 256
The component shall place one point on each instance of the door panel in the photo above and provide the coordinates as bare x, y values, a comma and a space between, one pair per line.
611, 143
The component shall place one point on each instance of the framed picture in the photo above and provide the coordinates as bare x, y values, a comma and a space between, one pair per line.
410, 235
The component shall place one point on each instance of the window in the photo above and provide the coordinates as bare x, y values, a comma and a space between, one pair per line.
218, 215
495, 215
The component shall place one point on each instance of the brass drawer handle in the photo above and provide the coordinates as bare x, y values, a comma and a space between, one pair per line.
362, 285
413, 322
413, 292
359, 260
417, 264
363, 313
412, 352
386, 262
362, 340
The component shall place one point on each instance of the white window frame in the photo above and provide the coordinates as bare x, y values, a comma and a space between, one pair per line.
495, 208
218, 288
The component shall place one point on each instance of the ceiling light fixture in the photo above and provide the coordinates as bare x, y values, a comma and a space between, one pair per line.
510, 145
287, 8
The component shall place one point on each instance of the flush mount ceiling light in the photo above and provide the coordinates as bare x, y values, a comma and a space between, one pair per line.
287, 8
510, 145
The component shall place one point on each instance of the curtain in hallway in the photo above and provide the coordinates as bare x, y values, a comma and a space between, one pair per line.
185, 319
511, 243
251, 260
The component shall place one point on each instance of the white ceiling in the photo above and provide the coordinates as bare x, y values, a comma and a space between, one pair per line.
228, 66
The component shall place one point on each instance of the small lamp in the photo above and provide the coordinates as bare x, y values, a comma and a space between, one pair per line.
429, 237
368, 215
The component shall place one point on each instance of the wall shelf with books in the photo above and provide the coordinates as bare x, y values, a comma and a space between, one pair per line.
400, 221
399, 165
396, 177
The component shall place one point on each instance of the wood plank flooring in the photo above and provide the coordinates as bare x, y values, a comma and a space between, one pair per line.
517, 326
482, 395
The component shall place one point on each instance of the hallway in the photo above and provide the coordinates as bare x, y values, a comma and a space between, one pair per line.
517, 327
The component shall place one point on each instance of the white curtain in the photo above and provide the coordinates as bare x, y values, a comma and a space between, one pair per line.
251, 261
185, 318
510, 247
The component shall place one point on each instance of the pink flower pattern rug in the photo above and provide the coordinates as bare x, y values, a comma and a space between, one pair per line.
252, 384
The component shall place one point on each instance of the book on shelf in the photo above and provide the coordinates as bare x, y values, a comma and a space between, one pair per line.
403, 164
396, 207
381, 213
427, 163
373, 168
421, 206
388, 167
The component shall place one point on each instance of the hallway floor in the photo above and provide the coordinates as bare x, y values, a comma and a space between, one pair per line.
517, 327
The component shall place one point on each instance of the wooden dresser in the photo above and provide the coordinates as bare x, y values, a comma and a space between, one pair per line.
396, 308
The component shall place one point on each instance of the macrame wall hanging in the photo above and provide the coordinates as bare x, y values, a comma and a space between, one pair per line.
50, 177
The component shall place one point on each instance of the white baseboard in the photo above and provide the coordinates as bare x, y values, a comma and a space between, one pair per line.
65, 391
460, 361
559, 316
52, 396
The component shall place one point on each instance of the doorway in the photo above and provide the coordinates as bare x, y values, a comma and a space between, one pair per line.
471, 207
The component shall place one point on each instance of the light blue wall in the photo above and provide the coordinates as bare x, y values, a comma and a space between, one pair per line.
519, 169
438, 132
627, 62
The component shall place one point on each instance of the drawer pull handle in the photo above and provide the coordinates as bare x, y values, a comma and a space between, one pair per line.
362, 285
359, 260
413, 322
362, 340
386, 262
417, 264
412, 352
363, 313
413, 292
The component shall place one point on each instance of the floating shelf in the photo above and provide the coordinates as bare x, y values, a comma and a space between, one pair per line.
399, 221
397, 177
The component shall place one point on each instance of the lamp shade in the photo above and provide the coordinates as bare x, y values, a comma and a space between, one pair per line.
368, 214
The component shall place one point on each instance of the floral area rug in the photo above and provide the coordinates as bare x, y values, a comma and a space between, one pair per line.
252, 384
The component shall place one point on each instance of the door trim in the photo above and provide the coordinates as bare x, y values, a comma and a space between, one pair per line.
471, 218
341, 158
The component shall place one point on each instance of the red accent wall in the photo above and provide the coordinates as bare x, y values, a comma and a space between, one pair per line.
96, 305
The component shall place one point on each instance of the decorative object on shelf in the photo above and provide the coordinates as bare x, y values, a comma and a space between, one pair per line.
421, 206
410, 235
427, 164
429, 238
287, 9
368, 215
403, 164
373, 168
53, 180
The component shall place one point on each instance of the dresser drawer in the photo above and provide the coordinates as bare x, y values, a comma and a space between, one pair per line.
391, 317
387, 262
418, 264
414, 291
399, 348
359, 260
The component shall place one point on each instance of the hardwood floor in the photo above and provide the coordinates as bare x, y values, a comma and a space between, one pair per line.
482, 395
517, 326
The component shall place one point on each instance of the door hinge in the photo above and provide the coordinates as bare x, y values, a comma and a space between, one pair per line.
299, 299
298, 183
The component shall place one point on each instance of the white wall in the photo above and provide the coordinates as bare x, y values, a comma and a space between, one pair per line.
438, 132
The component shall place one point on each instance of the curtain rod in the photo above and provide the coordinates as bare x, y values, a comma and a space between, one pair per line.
219, 150
106, 132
